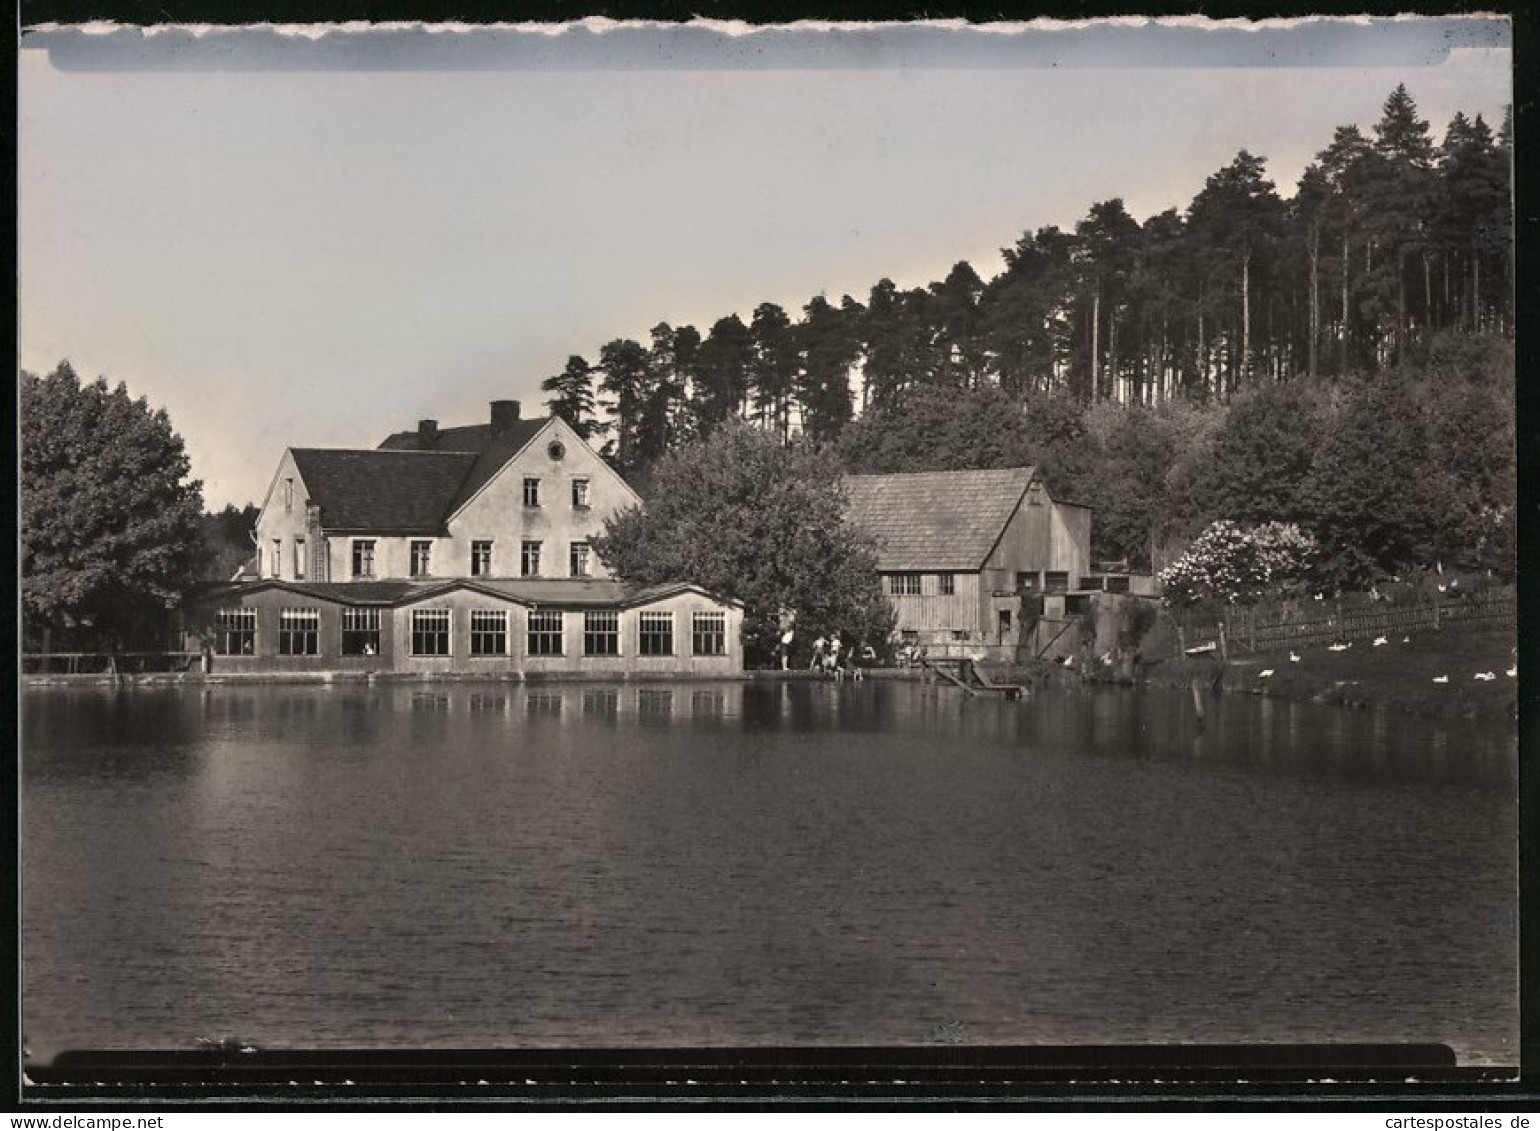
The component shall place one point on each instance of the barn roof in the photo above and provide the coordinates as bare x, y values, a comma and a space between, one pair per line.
936, 520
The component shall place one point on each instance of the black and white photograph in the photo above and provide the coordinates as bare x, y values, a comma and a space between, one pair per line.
927, 544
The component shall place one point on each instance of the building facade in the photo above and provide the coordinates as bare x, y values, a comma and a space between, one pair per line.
967, 556
512, 498
459, 551
467, 627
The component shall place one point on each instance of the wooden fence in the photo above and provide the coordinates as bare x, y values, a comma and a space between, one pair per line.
107, 663
1263, 630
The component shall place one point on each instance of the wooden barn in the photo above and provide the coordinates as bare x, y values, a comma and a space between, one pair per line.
967, 557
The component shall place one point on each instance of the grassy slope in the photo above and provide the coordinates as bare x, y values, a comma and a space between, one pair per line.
1397, 676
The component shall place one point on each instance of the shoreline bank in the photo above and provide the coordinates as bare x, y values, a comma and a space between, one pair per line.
1430, 674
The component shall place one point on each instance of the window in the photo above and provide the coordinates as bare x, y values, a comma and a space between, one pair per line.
946, 584
708, 634
235, 632
299, 558
481, 559
489, 632
363, 558
288, 495
556, 449
1117, 584
580, 494
581, 559
531, 491
360, 632
904, 584
1026, 582
960, 635
657, 636
422, 555
277, 557
529, 559
1056, 581
601, 633
299, 632
430, 632
545, 633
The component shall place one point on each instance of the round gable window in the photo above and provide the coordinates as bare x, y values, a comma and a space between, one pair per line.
556, 449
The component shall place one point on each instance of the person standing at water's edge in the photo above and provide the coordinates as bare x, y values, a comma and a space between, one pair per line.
785, 648
817, 662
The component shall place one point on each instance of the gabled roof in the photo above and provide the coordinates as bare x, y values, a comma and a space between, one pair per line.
936, 520
400, 492
493, 449
563, 592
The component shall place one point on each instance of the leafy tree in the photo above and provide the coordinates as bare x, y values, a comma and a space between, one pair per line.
748, 518
1374, 508
574, 397
110, 523
227, 540
940, 430
1260, 459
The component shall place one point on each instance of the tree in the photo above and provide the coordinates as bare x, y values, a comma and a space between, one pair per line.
574, 399
1236, 218
628, 379
1373, 507
227, 540
827, 346
747, 518
110, 523
775, 367
1260, 459
939, 430
724, 368
1401, 204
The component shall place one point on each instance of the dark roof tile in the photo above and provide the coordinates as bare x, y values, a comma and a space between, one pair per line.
936, 520
401, 492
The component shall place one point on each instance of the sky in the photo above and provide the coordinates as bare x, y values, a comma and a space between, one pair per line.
306, 239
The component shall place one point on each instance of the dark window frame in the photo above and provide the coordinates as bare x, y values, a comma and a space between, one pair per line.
601, 637
420, 559
363, 557
299, 631
361, 630
656, 639
529, 551
235, 632
708, 626
435, 627
489, 637
481, 557
545, 636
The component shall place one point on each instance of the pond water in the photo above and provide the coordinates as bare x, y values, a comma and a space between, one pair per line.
763, 863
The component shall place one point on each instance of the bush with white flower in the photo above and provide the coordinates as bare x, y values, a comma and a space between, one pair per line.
1239, 565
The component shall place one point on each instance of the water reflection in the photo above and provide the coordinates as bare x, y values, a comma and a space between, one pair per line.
758, 863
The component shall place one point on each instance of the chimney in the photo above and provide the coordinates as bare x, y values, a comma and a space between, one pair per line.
427, 433
504, 413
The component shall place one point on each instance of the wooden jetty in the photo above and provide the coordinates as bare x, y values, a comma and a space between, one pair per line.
965, 674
